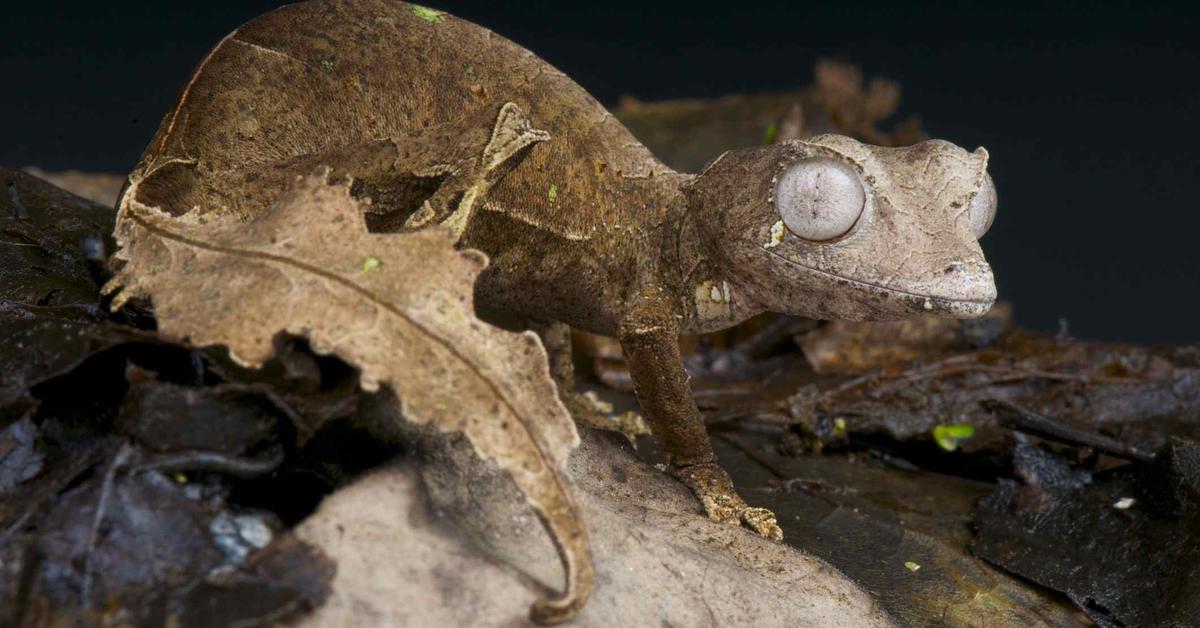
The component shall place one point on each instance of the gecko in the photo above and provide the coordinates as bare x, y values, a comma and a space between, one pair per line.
441, 123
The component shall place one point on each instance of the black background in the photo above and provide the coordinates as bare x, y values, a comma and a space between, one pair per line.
1090, 111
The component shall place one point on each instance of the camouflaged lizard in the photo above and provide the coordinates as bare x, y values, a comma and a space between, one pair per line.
440, 121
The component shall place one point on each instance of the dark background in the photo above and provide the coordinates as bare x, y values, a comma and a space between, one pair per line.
1090, 111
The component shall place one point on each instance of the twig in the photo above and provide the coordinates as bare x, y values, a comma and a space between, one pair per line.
960, 364
1017, 418
238, 466
119, 461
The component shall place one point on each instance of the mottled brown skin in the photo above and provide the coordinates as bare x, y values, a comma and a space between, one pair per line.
440, 121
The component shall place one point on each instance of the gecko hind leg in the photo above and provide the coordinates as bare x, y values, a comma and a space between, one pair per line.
587, 409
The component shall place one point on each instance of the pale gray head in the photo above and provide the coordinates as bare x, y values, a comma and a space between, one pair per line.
832, 228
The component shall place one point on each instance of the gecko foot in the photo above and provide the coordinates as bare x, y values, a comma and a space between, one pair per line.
712, 486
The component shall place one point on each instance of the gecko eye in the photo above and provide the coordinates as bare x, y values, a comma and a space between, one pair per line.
983, 207
820, 198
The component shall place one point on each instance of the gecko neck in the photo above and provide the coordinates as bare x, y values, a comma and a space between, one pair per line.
709, 298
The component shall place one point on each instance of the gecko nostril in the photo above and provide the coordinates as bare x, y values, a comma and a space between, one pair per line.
953, 268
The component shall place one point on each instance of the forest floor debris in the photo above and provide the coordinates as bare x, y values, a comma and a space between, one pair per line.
923, 472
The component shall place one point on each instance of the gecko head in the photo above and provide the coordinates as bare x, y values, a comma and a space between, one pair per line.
832, 228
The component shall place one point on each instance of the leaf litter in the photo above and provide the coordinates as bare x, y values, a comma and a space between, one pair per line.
871, 395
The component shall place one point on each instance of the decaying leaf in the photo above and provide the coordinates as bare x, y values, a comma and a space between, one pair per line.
98, 187
406, 320
1122, 544
876, 524
852, 347
19, 459
687, 134
473, 558
50, 312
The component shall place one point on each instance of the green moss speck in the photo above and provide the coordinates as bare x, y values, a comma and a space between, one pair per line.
553, 194
327, 65
371, 263
949, 436
771, 134
428, 14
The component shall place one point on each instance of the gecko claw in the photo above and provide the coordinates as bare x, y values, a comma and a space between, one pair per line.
762, 521
721, 502
730, 509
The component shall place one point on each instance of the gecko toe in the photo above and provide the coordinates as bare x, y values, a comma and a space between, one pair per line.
762, 521
723, 508
730, 509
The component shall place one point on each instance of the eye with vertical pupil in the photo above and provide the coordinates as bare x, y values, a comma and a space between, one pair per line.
819, 198
983, 207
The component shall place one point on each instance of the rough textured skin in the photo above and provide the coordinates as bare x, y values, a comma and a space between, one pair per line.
439, 120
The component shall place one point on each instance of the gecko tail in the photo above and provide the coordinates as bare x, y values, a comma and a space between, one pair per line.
570, 536
546, 488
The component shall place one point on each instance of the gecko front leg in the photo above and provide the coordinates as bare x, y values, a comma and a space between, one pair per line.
649, 336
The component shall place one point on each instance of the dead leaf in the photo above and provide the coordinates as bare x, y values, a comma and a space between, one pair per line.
687, 134
853, 347
20, 459
473, 558
407, 321
50, 313
1063, 527
869, 523
98, 187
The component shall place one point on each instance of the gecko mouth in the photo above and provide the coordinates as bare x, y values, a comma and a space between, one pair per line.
929, 302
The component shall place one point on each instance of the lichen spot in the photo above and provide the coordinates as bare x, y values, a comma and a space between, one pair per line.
428, 14
776, 235
553, 194
717, 293
712, 300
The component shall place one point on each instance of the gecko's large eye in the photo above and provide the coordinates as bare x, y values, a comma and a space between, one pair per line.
819, 198
983, 207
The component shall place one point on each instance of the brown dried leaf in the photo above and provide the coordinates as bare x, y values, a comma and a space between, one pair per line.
397, 306
853, 347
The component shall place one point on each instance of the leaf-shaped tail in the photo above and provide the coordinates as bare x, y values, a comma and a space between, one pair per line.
397, 306
563, 521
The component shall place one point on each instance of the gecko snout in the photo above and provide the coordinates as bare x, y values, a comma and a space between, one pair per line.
963, 288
